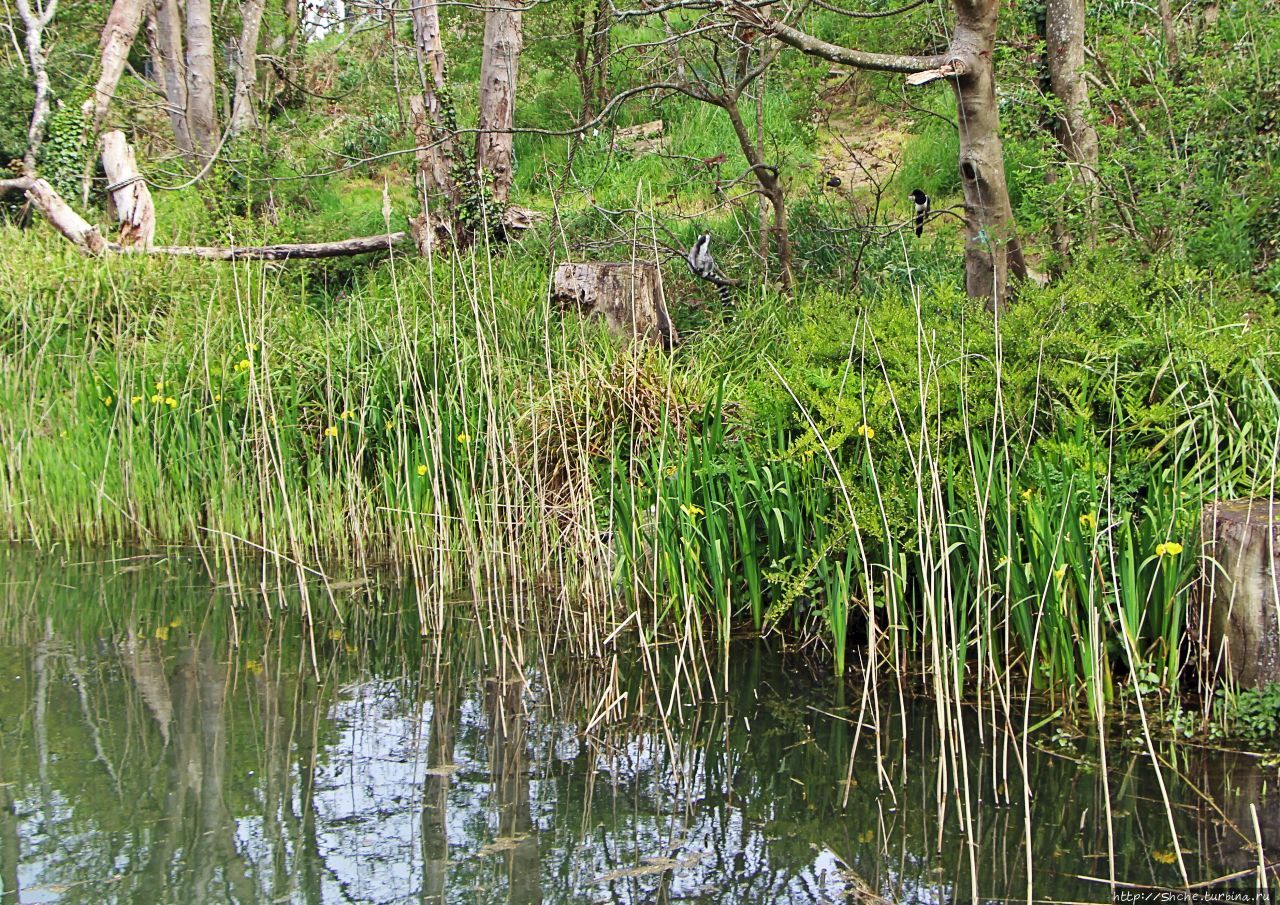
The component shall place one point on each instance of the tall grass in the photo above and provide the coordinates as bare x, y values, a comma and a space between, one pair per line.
906, 490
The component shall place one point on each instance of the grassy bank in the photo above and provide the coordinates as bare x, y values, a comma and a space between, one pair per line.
1005, 506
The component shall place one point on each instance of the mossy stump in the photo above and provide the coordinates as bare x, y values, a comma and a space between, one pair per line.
1241, 578
628, 295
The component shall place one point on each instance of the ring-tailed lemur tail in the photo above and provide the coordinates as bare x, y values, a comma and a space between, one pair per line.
704, 267
921, 201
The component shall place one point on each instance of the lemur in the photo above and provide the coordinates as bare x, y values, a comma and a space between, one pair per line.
704, 267
921, 201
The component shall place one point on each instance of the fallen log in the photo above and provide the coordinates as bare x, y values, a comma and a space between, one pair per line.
360, 245
83, 234
627, 295
87, 238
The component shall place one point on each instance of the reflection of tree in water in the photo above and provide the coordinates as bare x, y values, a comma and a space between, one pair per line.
509, 767
139, 767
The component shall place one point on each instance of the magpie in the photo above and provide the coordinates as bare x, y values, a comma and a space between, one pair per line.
704, 266
921, 201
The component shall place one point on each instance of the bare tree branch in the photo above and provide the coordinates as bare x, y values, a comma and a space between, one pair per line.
877, 62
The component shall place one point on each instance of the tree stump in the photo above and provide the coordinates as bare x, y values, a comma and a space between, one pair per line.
128, 197
1242, 584
627, 295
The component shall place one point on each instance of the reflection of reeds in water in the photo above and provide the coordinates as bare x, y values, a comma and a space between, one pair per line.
245, 766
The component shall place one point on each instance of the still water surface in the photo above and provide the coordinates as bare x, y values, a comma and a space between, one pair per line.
162, 742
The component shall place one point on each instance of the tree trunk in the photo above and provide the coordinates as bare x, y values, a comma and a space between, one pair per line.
242, 114
770, 185
165, 33
1242, 578
117, 37
1064, 48
131, 202
627, 295
202, 116
292, 93
33, 24
1172, 57
502, 42
591, 57
992, 247
600, 53
434, 130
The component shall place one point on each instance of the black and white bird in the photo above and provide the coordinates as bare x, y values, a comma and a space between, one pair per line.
921, 201
704, 266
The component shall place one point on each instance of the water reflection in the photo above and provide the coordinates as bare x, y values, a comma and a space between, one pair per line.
159, 745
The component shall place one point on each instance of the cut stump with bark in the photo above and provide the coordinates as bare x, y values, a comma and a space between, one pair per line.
1242, 586
627, 295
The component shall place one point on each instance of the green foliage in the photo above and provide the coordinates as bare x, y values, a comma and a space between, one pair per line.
16, 98
1249, 713
63, 154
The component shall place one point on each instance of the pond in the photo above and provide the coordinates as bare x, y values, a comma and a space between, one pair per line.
163, 740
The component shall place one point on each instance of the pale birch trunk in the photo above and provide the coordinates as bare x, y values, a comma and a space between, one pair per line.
34, 21
503, 37
202, 116
242, 107
165, 34
117, 37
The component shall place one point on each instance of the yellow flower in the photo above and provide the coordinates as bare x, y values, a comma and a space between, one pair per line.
1164, 857
251, 347
391, 425
464, 437
162, 633
171, 402
331, 431
175, 622
135, 399
1004, 561
243, 364
1088, 522
253, 666
422, 469
217, 397
156, 399
1026, 495
335, 634
1168, 548
347, 415
1060, 572
671, 471
866, 430
159, 385
691, 510
107, 400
